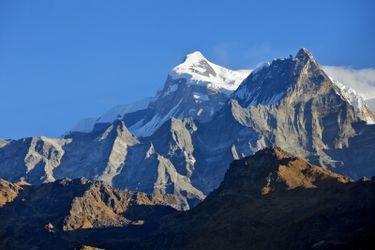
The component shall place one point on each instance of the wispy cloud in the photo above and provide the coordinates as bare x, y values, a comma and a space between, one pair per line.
236, 55
361, 80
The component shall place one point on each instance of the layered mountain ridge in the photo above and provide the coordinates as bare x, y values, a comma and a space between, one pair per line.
183, 142
270, 200
273, 200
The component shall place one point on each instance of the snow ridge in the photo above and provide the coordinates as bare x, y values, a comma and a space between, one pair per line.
119, 111
142, 129
354, 99
86, 125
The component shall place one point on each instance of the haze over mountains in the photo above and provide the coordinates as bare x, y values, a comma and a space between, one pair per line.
182, 142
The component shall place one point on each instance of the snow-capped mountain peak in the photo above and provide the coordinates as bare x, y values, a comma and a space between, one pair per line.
303, 54
195, 88
196, 69
271, 83
195, 56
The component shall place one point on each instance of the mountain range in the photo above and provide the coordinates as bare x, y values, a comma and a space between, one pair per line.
181, 141
271, 200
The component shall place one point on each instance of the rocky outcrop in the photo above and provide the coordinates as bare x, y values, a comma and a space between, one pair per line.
9, 191
51, 209
101, 206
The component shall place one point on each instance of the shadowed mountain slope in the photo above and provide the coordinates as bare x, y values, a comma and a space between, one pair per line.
271, 200
40, 215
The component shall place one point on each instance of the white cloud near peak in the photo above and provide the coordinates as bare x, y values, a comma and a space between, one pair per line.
361, 80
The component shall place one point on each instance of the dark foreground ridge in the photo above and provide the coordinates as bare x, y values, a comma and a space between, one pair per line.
271, 200
42, 216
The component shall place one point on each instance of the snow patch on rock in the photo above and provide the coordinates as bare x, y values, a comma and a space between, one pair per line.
200, 96
141, 129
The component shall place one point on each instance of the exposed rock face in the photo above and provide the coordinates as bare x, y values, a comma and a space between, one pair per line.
65, 205
112, 155
290, 102
101, 206
273, 170
164, 165
3, 143
308, 105
32, 159
9, 191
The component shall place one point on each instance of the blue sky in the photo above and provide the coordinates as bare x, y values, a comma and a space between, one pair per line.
64, 60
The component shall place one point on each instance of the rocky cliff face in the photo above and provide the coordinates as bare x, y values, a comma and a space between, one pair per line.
289, 102
164, 164
112, 155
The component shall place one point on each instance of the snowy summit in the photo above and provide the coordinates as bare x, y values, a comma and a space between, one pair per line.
196, 69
